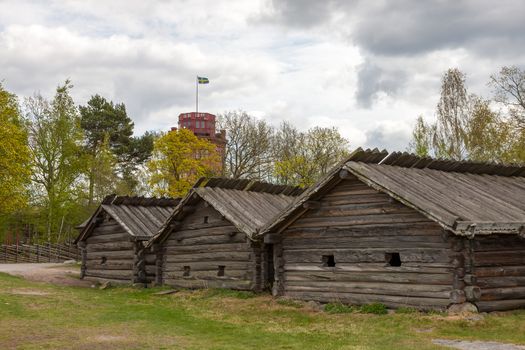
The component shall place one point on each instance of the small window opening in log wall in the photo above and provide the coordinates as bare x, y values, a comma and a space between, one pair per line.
205, 219
220, 272
393, 259
186, 272
328, 261
103, 260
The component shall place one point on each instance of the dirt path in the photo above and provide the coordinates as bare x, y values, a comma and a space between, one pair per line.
61, 274
477, 345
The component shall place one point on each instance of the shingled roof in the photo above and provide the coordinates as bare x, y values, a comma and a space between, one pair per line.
141, 217
467, 198
247, 204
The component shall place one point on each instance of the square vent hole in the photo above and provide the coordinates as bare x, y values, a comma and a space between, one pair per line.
328, 261
393, 259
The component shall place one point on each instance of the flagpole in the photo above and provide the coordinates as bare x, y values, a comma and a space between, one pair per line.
197, 95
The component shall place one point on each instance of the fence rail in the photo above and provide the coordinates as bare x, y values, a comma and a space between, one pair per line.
38, 253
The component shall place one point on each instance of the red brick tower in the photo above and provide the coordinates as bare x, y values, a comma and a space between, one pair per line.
203, 126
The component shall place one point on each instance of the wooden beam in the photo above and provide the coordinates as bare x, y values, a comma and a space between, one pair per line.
271, 238
174, 225
188, 209
312, 205
344, 174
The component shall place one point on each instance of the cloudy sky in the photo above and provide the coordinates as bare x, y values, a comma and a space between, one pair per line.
367, 67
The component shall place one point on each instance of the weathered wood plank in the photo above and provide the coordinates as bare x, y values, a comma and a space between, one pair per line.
120, 254
385, 277
366, 255
206, 266
197, 284
108, 238
388, 300
359, 220
407, 290
214, 256
109, 246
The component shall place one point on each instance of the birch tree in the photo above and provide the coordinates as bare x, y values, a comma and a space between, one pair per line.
54, 142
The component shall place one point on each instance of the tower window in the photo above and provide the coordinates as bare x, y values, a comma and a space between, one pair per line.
393, 259
328, 261
205, 220
103, 260
220, 272
186, 271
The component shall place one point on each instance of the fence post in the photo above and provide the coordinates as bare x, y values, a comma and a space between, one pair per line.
37, 253
16, 255
49, 251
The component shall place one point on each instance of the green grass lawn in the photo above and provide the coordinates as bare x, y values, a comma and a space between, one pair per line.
42, 316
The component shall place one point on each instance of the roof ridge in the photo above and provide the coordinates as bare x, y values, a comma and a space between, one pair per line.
410, 160
248, 185
113, 199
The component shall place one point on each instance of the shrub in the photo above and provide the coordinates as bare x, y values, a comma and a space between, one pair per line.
338, 308
374, 308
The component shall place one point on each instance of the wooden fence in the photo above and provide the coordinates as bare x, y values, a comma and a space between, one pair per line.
38, 253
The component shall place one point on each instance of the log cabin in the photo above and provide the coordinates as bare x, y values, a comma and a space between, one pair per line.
209, 239
405, 231
112, 240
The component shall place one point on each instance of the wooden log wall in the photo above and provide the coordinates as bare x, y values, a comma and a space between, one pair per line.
363, 229
202, 242
109, 253
499, 266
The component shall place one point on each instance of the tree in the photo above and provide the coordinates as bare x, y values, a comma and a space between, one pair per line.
486, 134
248, 148
104, 180
421, 138
302, 158
14, 155
104, 121
179, 159
54, 142
509, 89
467, 127
448, 139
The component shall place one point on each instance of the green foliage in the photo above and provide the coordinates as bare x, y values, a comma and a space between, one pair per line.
107, 127
339, 308
300, 159
14, 156
55, 147
180, 159
374, 308
468, 128
421, 138
101, 119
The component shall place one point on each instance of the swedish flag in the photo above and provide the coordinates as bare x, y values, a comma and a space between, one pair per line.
203, 80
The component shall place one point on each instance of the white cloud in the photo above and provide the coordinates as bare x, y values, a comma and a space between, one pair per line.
280, 62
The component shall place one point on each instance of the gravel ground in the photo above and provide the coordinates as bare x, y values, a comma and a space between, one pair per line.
476, 345
55, 273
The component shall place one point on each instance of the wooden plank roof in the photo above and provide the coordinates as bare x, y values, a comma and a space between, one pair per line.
463, 202
467, 198
296, 209
247, 204
141, 217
